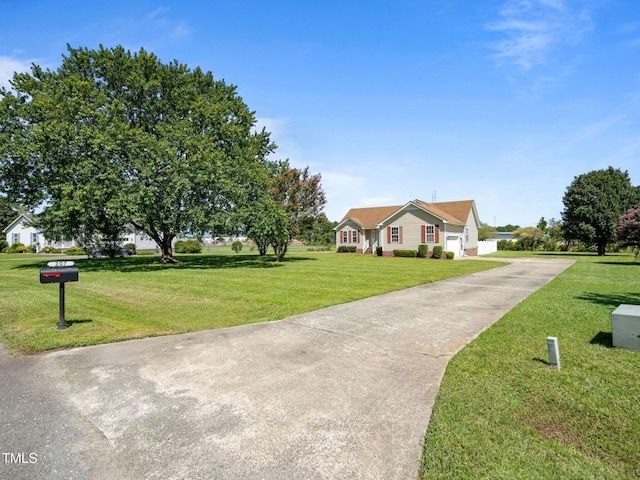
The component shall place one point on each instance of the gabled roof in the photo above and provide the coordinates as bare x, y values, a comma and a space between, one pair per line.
450, 212
369, 217
28, 218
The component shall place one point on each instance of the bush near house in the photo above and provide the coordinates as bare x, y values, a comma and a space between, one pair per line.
379, 251
423, 250
450, 255
75, 251
236, 246
405, 253
437, 252
346, 249
187, 246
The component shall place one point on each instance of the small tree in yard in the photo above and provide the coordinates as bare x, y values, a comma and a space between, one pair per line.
629, 229
529, 237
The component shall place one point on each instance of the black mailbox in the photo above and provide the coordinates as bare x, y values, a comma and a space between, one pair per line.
59, 275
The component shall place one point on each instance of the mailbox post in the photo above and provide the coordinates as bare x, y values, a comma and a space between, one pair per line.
59, 272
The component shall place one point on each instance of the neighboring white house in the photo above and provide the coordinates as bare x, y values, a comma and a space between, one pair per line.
21, 230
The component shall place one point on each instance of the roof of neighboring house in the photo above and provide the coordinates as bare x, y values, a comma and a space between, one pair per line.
451, 212
26, 216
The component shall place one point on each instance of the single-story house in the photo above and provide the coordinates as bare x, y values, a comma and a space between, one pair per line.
505, 236
452, 225
22, 230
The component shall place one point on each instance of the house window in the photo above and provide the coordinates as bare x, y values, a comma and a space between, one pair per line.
466, 234
345, 236
395, 234
430, 233
34, 238
15, 238
354, 236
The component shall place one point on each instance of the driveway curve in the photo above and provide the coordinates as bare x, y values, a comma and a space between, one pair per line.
345, 392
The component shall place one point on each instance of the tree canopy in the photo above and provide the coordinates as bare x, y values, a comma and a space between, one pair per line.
628, 231
486, 231
593, 203
290, 208
112, 137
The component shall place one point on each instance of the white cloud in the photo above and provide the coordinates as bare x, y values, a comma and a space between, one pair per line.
532, 28
8, 66
600, 127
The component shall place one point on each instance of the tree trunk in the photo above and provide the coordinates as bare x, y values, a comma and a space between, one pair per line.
262, 246
167, 253
602, 249
280, 250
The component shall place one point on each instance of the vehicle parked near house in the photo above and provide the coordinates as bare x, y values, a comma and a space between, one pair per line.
96, 251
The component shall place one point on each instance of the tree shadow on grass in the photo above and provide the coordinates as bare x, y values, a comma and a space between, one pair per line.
185, 262
611, 299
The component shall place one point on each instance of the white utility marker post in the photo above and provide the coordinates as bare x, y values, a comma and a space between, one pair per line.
554, 352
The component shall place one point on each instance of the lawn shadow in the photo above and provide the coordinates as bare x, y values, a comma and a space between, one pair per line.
185, 262
84, 320
603, 338
538, 359
611, 299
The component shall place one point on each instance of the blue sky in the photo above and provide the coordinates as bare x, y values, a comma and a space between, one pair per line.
502, 101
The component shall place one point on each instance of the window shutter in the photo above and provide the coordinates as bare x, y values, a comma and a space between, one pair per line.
400, 234
358, 236
388, 234
340, 236
437, 235
423, 233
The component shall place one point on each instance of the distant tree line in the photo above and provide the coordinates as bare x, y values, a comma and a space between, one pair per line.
601, 213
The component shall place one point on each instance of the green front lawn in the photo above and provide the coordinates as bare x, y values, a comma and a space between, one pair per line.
135, 297
503, 413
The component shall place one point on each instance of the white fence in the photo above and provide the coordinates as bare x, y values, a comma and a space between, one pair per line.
487, 246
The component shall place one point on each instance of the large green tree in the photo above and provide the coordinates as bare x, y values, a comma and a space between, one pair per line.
112, 137
8, 212
593, 203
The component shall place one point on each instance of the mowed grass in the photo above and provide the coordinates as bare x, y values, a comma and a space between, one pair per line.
503, 413
136, 297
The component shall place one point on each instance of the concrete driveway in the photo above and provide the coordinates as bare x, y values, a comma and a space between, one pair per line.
341, 393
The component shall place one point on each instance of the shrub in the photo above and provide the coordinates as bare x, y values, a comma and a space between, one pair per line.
50, 249
437, 251
187, 246
423, 250
404, 253
346, 249
131, 246
236, 246
22, 249
450, 255
3, 244
75, 251
379, 251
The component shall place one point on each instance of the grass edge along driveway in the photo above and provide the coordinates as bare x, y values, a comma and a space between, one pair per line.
503, 413
136, 297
